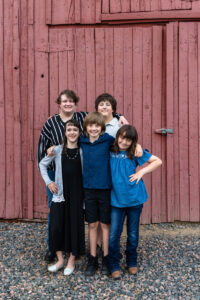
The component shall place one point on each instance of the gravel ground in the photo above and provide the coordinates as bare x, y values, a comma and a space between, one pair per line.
168, 259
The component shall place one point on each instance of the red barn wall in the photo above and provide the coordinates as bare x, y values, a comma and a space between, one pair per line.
146, 53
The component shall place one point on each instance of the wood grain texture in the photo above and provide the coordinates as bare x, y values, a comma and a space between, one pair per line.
2, 118
193, 120
183, 122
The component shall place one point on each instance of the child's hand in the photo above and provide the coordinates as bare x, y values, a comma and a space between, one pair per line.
50, 151
53, 188
138, 151
137, 176
122, 121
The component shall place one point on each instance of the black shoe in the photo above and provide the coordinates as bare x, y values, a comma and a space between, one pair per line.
99, 251
92, 266
105, 266
50, 256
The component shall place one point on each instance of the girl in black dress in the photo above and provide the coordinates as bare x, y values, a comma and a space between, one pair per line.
66, 212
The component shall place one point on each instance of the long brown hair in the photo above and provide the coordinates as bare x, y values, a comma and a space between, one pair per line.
73, 123
129, 132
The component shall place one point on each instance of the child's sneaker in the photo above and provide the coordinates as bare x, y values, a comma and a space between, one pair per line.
92, 266
105, 266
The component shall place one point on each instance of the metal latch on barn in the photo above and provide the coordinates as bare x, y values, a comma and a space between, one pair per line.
164, 131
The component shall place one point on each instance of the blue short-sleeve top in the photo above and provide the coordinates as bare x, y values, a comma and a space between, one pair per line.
125, 193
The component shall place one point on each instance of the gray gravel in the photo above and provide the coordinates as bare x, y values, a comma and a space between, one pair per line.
169, 266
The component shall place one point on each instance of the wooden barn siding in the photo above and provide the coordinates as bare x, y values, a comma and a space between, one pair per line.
27, 99
92, 11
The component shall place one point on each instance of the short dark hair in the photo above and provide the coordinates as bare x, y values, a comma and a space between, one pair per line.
106, 97
70, 94
129, 132
94, 118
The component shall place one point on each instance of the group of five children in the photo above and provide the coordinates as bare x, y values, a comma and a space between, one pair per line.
96, 171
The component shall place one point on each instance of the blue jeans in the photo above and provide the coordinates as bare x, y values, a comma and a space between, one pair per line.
51, 174
116, 228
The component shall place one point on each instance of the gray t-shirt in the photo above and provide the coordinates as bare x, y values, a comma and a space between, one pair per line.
112, 127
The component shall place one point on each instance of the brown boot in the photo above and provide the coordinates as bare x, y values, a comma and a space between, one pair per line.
133, 270
116, 274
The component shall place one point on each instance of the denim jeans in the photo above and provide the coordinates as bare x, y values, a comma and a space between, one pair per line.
51, 174
116, 228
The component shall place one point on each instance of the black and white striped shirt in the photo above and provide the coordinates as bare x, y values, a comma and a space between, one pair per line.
53, 132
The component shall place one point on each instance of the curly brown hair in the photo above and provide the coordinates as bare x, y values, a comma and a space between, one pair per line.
126, 132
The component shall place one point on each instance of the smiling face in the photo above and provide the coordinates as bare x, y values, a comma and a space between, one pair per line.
93, 130
124, 143
67, 105
72, 133
105, 108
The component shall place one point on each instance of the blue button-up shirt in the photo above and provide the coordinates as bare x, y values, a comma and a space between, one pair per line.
96, 162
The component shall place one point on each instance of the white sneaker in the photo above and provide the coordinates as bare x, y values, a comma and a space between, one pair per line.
69, 271
54, 268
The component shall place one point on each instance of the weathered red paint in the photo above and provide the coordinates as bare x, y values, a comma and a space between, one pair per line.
153, 71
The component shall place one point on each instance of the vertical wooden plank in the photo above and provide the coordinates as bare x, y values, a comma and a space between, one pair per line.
177, 4
100, 61
193, 123
176, 123
98, 11
170, 121
48, 11
17, 117
166, 4
145, 5
155, 5
81, 67
41, 114
118, 68
163, 140
31, 154
2, 118
135, 5
196, 5
57, 76
115, 6
105, 6
88, 11
63, 11
125, 6
183, 122
90, 65
199, 96
40, 28
41, 95
31, 12
71, 60
109, 61
186, 4
23, 99
9, 110
128, 69
156, 122
137, 108
77, 13
147, 109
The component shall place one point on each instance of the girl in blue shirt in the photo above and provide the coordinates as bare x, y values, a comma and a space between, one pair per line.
127, 196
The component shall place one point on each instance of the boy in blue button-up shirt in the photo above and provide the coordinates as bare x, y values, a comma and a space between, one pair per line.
95, 145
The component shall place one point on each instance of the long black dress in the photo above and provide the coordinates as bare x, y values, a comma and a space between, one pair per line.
66, 218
